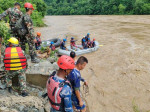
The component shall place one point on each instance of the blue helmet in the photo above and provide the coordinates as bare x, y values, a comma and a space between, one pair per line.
88, 38
72, 37
52, 42
83, 40
64, 40
88, 33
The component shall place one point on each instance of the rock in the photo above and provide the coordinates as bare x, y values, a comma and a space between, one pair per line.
34, 110
15, 93
2, 85
21, 108
51, 59
55, 66
40, 93
47, 107
41, 110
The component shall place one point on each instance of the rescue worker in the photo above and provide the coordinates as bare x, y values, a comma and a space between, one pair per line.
14, 15
93, 43
73, 55
15, 63
75, 77
52, 46
38, 41
87, 36
58, 88
29, 37
62, 45
84, 44
72, 43
82, 41
89, 43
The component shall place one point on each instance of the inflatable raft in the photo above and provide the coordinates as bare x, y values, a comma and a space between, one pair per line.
78, 51
56, 41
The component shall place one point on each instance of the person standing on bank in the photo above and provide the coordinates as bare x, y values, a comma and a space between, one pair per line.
15, 63
14, 15
75, 77
29, 37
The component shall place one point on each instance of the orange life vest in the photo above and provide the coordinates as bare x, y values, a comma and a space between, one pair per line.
14, 59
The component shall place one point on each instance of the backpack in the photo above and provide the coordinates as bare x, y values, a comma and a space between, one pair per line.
20, 27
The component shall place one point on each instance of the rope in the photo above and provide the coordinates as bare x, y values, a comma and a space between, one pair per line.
85, 91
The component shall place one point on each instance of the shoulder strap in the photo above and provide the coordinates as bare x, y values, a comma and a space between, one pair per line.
66, 82
54, 72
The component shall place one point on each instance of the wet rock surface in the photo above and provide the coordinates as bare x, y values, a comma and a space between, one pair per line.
16, 103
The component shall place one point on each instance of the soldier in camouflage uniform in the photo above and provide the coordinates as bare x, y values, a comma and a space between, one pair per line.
15, 64
29, 38
14, 15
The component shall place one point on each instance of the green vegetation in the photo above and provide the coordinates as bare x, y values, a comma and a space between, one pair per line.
38, 13
96, 7
4, 31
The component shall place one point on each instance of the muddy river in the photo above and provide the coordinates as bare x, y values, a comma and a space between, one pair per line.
119, 72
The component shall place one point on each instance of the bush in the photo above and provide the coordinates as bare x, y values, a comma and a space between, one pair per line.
4, 31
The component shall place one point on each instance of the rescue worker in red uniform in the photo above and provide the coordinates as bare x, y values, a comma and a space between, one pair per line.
15, 64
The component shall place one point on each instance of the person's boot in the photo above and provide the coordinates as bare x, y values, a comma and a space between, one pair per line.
34, 59
10, 89
24, 94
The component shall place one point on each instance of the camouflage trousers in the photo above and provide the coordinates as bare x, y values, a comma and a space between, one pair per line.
21, 77
30, 42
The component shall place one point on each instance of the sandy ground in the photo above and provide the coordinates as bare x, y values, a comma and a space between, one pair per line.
119, 72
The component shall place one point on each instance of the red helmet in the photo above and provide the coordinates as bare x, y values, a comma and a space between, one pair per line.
38, 34
66, 62
28, 5
93, 39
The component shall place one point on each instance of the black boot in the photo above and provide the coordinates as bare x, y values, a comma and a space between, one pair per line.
34, 59
24, 94
10, 89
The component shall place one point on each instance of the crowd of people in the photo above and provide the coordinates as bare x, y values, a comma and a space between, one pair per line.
63, 86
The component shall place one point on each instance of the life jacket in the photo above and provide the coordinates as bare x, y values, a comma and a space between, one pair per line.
53, 90
88, 43
14, 59
93, 43
72, 43
52, 47
38, 41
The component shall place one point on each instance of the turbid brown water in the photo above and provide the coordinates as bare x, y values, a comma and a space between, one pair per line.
119, 72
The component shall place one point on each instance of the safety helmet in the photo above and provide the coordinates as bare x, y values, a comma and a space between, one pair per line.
52, 42
13, 40
72, 37
65, 62
88, 33
38, 34
88, 38
83, 40
64, 40
29, 6
93, 39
